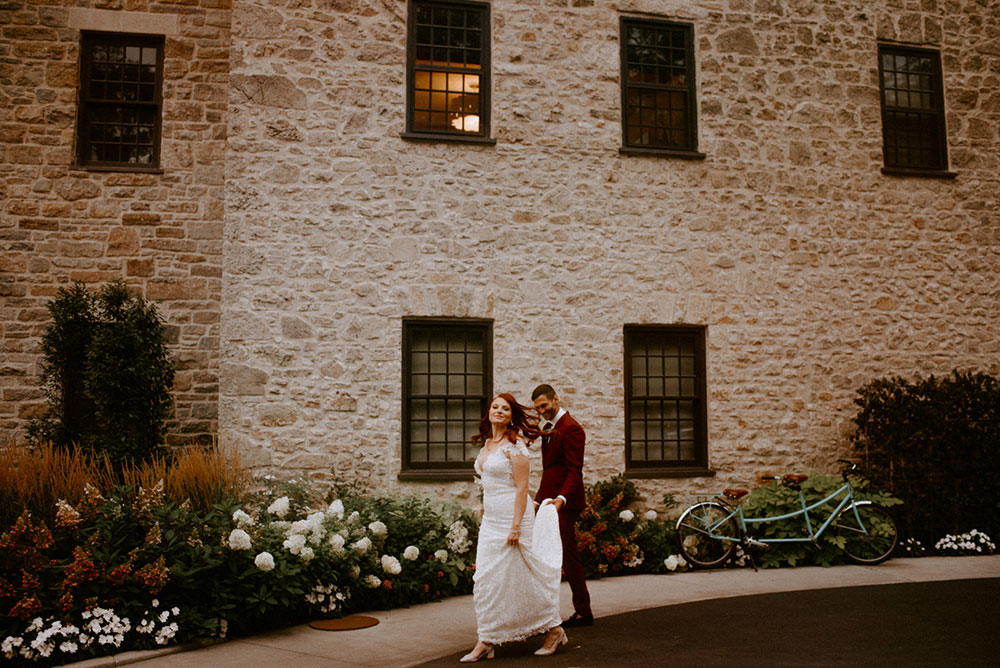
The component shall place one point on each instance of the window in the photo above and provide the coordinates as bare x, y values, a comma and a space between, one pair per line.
448, 66
447, 381
665, 400
658, 87
913, 130
121, 78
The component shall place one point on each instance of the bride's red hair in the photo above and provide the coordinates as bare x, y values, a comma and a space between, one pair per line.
521, 422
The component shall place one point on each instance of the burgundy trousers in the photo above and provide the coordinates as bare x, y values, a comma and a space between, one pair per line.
572, 567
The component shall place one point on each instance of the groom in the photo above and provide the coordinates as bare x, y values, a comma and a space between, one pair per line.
562, 480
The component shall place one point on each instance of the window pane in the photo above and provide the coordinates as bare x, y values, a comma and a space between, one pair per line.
449, 41
662, 429
658, 84
912, 121
450, 364
123, 69
419, 384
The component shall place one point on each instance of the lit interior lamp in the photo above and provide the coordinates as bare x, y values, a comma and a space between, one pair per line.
467, 116
467, 123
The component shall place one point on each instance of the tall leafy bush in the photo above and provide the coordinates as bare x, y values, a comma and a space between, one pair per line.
934, 443
107, 373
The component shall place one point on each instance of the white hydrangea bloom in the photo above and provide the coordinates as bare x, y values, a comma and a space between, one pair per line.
372, 581
264, 561
626, 515
649, 515
411, 553
337, 543
336, 509
239, 540
458, 537
377, 528
242, 519
441, 555
391, 565
279, 507
294, 543
362, 546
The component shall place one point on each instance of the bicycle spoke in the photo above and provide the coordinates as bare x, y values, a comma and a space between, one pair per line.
873, 539
707, 533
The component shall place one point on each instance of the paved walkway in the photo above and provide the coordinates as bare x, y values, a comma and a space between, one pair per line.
411, 636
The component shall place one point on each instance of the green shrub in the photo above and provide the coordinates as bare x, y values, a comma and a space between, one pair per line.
107, 373
615, 538
180, 571
934, 443
607, 539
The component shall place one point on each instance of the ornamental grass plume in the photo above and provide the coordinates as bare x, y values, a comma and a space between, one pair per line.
42, 477
202, 476
37, 477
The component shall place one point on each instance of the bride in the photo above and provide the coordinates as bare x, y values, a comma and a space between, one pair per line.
516, 585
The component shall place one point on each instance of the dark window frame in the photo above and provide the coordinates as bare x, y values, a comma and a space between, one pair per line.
891, 162
89, 106
689, 149
665, 468
484, 72
463, 470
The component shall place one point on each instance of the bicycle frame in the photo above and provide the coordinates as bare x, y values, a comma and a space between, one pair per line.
737, 512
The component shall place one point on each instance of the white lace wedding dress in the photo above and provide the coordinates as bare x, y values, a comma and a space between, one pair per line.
516, 588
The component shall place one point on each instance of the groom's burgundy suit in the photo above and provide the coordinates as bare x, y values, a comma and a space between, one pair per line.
562, 475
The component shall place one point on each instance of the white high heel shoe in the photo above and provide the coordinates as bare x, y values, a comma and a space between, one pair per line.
545, 651
472, 657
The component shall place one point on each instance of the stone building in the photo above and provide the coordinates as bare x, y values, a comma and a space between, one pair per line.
706, 223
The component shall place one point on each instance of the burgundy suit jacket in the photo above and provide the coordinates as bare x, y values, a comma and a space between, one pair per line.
562, 464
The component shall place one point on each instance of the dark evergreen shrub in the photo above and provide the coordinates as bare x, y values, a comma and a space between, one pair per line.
935, 444
108, 373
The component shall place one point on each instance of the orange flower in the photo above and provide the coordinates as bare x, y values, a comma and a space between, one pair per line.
26, 608
120, 574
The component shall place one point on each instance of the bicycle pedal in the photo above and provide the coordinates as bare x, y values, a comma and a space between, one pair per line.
756, 543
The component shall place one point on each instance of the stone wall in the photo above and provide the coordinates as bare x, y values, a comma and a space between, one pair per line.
161, 232
290, 234
814, 272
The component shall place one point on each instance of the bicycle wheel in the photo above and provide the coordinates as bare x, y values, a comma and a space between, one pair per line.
707, 533
871, 544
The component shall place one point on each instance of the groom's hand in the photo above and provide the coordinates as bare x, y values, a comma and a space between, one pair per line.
558, 503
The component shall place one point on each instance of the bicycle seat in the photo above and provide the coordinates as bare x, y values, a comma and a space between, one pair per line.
790, 479
734, 494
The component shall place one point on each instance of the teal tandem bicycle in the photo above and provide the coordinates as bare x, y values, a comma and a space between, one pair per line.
710, 530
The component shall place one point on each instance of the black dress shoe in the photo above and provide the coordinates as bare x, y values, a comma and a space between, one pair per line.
578, 620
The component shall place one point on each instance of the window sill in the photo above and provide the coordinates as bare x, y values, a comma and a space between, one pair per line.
119, 168
921, 173
662, 153
678, 472
441, 136
429, 475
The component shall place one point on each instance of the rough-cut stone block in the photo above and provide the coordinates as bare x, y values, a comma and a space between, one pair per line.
242, 380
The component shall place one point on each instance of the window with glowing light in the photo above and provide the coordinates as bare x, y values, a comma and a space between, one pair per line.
121, 78
658, 87
448, 70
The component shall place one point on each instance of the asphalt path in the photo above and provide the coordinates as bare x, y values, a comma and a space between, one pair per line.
947, 624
